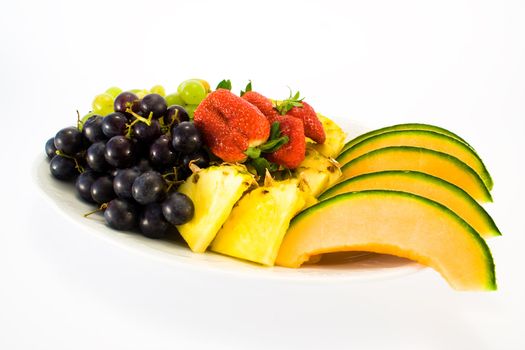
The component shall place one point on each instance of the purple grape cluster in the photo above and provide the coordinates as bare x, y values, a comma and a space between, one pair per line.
131, 161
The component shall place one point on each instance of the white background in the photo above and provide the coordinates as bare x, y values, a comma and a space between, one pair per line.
457, 64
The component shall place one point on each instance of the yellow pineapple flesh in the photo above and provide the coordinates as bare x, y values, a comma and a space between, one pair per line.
259, 221
214, 191
335, 138
318, 171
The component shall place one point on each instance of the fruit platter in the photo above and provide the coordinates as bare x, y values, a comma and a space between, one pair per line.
269, 183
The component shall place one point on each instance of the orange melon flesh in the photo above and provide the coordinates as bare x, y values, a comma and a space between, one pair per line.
420, 138
434, 163
396, 223
424, 185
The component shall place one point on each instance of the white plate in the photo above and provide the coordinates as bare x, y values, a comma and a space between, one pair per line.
356, 266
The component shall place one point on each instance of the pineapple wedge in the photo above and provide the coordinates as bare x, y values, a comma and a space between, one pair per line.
318, 171
214, 191
257, 224
335, 138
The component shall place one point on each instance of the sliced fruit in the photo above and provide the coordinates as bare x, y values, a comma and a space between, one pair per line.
318, 171
419, 138
428, 186
316, 180
335, 138
257, 224
407, 126
434, 163
396, 223
214, 191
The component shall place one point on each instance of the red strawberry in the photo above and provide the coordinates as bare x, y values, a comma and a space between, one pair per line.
263, 103
312, 126
230, 125
292, 153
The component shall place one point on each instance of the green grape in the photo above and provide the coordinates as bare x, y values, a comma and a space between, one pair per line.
102, 104
141, 93
205, 84
174, 99
191, 110
84, 119
158, 89
192, 91
114, 91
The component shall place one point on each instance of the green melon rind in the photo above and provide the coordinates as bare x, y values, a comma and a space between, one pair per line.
484, 174
485, 190
405, 126
490, 267
427, 177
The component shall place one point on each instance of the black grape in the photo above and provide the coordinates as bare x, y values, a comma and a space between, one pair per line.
148, 188
121, 214
63, 168
114, 124
153, 103
83, 185
50, 148
123, 182
124, 101
186, 138
161, 154
95, 157
119, 152
92, 129
102, 189
152, 223
69, 140
178, 208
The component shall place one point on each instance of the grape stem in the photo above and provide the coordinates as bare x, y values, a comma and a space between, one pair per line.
80, 125
174, 182
79, 167
138, 118
101, 208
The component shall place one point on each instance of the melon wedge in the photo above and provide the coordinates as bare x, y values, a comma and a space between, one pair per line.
406, 126
434, 163
424, 185
420, 138
396, 223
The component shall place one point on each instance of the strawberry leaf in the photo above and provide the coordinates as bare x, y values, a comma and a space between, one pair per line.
294, 100
253, 152
261, 164
275, 130
274, 145
224, 84
247, 88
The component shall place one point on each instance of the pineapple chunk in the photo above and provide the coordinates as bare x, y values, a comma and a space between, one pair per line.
316, 180
214, 191
318, 171
335, 138
257, 224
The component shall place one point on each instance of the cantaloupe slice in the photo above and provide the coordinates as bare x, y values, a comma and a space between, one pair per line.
420, 138
434, 163
396, 223
428, 186
406, 126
